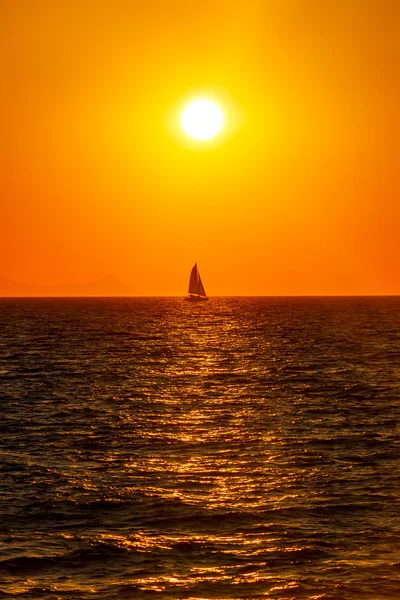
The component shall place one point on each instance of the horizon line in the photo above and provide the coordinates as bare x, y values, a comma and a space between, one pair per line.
13, 297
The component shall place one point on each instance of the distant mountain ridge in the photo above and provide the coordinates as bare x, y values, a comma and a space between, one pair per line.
105, 286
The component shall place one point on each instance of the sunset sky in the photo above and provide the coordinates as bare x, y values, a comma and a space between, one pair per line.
299, 194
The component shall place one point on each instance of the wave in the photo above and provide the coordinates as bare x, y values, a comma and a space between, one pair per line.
94, 553
27, 564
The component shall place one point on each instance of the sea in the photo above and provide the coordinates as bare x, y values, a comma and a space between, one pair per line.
238, 448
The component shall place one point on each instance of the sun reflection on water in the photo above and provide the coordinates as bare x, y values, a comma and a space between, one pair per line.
206, 457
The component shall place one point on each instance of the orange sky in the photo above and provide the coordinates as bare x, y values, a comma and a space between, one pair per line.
299, 196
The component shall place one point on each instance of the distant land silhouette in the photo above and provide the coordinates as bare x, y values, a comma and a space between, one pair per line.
105, 286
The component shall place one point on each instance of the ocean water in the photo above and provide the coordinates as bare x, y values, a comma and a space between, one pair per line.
237, 448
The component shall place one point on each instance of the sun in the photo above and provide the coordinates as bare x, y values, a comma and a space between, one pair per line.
202, 119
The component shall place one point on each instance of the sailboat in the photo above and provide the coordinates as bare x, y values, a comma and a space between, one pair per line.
197, 293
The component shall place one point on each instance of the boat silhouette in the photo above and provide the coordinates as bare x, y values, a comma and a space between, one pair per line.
197, 293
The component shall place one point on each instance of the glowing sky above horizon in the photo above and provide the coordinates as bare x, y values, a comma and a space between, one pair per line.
297, 194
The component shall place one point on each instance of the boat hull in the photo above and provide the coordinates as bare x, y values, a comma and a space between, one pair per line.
196, 299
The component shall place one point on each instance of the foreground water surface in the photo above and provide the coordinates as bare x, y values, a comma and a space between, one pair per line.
237, 448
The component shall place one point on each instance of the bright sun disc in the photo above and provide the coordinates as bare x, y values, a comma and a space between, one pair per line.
202, 119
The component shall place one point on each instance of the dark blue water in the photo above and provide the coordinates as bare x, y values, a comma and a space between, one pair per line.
237, 448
